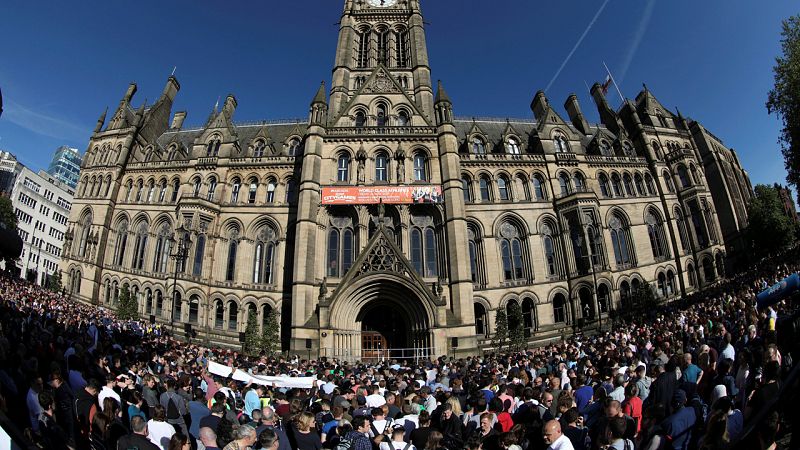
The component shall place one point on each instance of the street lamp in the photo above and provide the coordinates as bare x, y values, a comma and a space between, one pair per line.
180, 255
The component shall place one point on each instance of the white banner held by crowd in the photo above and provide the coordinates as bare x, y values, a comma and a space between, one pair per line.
264, 380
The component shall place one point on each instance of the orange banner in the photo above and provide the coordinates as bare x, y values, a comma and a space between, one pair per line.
390, 195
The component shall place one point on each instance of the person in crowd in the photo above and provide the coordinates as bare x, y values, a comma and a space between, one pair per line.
197, 411
554, 438
244, 438
209, 438
159, 431
179, 441
138, 437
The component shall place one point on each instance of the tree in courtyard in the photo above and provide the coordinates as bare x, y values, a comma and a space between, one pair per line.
8, 219
54, 281
784, 98
517, 328
645, 298
127, 309
769, 228
500, 330
252, 340
270, 335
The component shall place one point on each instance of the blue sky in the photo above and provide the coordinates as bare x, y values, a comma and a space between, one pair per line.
63, 63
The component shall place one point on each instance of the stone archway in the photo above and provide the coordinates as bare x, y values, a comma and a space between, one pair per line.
381, 316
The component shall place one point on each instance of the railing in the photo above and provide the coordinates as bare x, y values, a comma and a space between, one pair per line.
502, 156
380, 131
377, 355
573, 191
566, 158
494, 119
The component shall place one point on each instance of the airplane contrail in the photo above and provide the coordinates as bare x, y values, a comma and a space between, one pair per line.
577, 44
637, 40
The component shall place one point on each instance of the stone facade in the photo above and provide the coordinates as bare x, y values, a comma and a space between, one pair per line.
563, 217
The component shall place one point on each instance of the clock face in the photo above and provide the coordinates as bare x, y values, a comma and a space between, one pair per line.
382, 3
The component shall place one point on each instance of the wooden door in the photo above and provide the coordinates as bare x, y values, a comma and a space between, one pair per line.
373, 346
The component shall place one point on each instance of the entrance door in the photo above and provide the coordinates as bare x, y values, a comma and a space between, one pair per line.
373, 346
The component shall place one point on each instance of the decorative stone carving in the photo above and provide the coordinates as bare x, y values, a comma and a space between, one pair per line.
546, 229
615, 223
508, 231
341, 222
422, 221
381, 84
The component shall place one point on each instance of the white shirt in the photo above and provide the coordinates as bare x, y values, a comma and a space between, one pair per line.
729, 353
375, 401
159, 433
108, 392
562, 443
394, 445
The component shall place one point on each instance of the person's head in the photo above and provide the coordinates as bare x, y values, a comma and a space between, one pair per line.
218, 409
612, 407
434, 440
619, 380
92, 387
337, 412
268, 416
378, 414
100, 423
246, 435
447, 410
551, 432
179, 441
547, 399
159, 414
508, 439
631, 390
111, 407
486, 422
305, 421
209, 437
268, 440
616, 428
687, 359
256, 415
571, 416
717, 427
46, 401
361, 424
398, 433
56, 380
678, 399
139, 426
424, 418
455, 406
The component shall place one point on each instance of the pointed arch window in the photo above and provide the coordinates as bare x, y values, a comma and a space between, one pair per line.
383, 46
176, 188
212, 149
559, 309
563, 181
401, 48
294, 147
264, 255
655, 231
616, 185
511, 252
692, 275
502, 188
177, 309
219, 315
424, 248
637, 179
122, 244
680, 220
420, 167
605, 189
199, 254
290, 191
621, 241
529, 322
212, 189
151, 190
161, 255
258, 152
402, 118
251, 195
579, 181
648, 181
198, 184
163, 191
549, 255
710, 224
363, 48
381, 118
683, 176
481, 320
539, 189
484, 188
139, 189
478, 146
475, 255
512, 146
236, 186
629, 189
466, 186
668, 182
343, 168
233, 316
561, 142
341, 246
140, 248
694, 174
382, 167
522, 190
230, 270
271, 185
361, 119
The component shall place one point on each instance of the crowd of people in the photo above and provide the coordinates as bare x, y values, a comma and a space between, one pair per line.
692, 375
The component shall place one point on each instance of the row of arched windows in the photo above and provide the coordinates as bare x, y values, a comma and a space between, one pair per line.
383, 163
477, 145
626, 185
158, 193
382, 118
382, 45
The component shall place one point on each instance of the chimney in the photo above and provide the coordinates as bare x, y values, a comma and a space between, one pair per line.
177, 120
172, 88
539, 105
129, 93
576, 115
230, 105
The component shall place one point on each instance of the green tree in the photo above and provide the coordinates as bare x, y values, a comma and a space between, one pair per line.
270, 335
8, 219
127, 309
500, 330
252, 340
769, 229
784, 98
54, 281
644, 299
517, 328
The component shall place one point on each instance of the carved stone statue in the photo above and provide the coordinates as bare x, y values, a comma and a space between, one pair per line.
400, 157
361, 157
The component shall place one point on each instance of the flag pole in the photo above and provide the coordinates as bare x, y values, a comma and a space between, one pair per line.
621, 97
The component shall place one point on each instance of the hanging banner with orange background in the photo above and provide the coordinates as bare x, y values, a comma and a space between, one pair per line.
390, 195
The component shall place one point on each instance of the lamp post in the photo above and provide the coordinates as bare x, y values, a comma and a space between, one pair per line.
180, 255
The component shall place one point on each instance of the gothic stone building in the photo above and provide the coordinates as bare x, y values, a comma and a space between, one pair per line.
385, 222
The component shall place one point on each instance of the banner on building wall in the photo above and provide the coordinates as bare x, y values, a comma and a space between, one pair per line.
372, 195
779, 291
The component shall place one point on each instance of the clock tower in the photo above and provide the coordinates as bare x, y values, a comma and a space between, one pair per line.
387, 34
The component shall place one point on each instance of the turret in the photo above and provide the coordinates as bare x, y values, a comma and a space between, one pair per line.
576, 115
443, 106
101, 121
177, 120
607, 115
319, 107
230, 105
171, 88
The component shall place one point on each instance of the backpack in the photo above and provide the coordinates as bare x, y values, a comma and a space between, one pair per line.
344, 444
173, 413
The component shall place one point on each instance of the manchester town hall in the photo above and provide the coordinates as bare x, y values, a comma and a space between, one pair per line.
383, 221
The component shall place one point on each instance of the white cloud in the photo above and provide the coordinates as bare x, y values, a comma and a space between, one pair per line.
43, 123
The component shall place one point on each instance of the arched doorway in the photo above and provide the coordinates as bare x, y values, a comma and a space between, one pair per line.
604, 298
587, 303
720, 265
393, 319
708, 270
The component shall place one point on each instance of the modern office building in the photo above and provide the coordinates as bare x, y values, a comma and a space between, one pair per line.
66, 165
